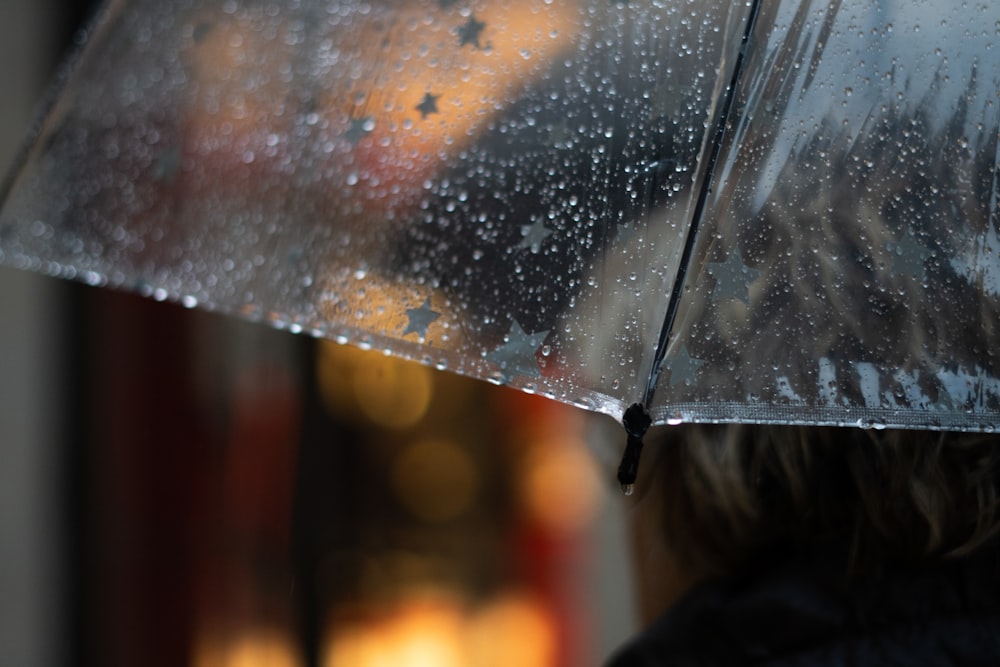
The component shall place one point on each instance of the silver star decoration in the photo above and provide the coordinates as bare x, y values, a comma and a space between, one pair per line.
167, 163
420, 319
469, 32
428, 105
517, 354
358, 128
534, 234
683, 367
909, 257
732, 277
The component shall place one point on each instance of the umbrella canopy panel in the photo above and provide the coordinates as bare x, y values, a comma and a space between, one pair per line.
491, 186
847, 265
778, 210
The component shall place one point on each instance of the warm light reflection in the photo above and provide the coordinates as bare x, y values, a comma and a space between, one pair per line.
513, 630
442, 632
390, 392
560, 484
435, 479
419, 634
259, 647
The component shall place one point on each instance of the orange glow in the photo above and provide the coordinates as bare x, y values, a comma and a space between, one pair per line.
513, 630
260, 647
440, 631
435, 479
390, 392
421, 633
371, 72
561, 485
416, 50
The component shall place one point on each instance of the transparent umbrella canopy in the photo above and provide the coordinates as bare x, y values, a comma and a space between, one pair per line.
780, 211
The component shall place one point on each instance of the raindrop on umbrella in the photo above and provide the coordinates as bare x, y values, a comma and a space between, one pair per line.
665, 211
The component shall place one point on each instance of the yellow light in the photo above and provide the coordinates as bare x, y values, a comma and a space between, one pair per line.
423, 633
435, 479
439, 631
560, 486
392, 392
260, 647
512, 630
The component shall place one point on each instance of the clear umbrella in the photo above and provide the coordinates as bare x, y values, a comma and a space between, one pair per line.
772, 211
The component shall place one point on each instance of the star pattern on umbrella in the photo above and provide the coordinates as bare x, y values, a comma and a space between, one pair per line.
167, 164
358, 128
732, 277
428, 105
909, 257
201, 31
534, 235
517, 354
682, 367
469, 32
420, 318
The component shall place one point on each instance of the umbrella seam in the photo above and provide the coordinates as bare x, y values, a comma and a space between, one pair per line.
719, 133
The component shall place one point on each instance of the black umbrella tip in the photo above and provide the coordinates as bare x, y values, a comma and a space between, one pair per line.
636, 421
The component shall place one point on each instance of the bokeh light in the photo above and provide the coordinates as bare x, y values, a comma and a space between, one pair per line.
436, 480
435, 629
417, 633
255, 647
514, 629
560, 485
387, 391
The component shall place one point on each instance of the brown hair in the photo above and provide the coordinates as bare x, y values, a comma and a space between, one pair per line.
885, 498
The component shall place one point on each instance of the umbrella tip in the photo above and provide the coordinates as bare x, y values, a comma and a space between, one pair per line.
636, 421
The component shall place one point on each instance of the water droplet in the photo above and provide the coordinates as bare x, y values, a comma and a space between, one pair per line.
628, 489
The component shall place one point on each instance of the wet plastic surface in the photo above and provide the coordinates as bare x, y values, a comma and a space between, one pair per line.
506, 189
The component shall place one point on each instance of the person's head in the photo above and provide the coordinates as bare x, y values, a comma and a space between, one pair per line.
712, 500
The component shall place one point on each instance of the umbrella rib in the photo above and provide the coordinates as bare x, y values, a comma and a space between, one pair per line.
706, 187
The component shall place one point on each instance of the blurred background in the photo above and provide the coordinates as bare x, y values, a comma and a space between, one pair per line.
178, 488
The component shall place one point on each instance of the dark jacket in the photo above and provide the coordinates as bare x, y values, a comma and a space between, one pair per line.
804, 615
